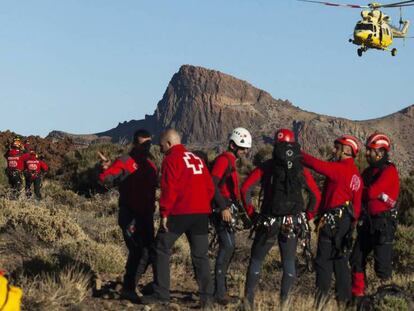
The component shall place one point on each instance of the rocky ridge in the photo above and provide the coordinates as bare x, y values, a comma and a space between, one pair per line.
204, 105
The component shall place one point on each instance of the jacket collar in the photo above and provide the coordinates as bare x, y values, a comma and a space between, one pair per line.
175, 148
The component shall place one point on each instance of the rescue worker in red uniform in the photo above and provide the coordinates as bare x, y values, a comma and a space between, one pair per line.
226, 179
282, 213
136, 176
339, 211
376, 228
33, 169
15, 165
186, 193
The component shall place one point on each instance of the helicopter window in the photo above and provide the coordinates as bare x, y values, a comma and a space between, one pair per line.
364, 26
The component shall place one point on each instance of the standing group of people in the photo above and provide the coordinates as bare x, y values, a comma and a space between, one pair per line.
191, 196
24, 164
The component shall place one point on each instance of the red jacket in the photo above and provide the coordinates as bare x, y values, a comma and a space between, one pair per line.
34, 165
15, 159
258, 175
378, 181
343, 183
225, 164
186, 184
137, 179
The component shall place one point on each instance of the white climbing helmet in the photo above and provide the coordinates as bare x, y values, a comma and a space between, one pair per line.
241, 137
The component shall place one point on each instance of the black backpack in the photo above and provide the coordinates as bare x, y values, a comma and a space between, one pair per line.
286, 181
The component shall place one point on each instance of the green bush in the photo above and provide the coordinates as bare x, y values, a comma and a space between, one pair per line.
404, 250
406, 201
80, 168
392, 303
3, 165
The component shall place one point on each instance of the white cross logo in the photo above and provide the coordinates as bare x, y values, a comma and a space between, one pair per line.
193, 162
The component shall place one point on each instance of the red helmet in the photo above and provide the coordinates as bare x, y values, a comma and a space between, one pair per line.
378, 140
284, 135
350, 141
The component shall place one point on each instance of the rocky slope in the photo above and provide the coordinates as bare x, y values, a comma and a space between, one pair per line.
204, 105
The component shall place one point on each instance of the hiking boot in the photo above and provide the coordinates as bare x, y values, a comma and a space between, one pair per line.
130, 295
206, 304
148, 289
154, 299
356, 302
225, 300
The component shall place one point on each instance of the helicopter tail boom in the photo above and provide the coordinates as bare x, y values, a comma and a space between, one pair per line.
397, 33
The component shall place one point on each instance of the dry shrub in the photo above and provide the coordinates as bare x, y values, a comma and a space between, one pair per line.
181, 251
47, 225
56, 291
404, 250
392, 303
59, 195
108, 258
111, 233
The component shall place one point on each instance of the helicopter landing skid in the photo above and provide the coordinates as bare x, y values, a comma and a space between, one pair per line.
361, 50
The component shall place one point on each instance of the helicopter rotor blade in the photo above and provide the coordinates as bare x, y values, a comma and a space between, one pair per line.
396, 4
352, 6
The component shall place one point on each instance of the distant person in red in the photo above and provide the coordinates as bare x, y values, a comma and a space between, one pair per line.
339, 211
376, 228
282, 213
136, 175
226, 179
26, 146
33, 169
186, 192
15, 165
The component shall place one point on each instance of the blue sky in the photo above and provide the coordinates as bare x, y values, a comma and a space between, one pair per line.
82, 66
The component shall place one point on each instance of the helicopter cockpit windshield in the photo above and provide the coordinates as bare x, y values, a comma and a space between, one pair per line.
365, 26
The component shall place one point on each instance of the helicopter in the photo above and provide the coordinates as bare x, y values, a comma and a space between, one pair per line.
374, 30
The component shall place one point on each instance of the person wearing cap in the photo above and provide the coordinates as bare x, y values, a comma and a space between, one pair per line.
33, 169
136, 176
377, 226
226, 179
338, 213
15, 166
282, 213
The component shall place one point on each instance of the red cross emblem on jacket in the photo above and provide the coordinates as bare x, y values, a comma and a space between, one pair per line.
193, 162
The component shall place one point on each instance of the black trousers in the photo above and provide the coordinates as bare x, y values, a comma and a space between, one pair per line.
195, 227
140, 245
375, 234
226, 241
331, 260
263, 242
15, 181
37, 183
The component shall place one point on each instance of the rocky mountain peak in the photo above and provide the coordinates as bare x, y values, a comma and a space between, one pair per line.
205, 105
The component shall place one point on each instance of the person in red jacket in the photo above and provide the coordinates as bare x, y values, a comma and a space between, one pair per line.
33, 169
376, 229
282, 213
15, 165
226, 179
186, 192
339, 211
137, 178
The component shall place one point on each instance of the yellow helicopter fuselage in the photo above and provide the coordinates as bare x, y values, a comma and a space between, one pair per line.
373, 31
